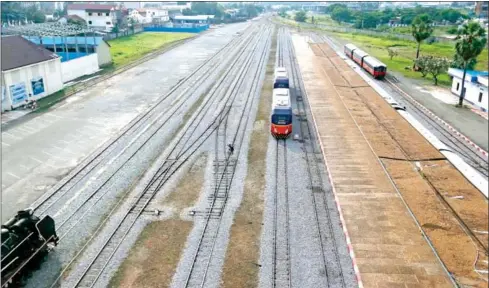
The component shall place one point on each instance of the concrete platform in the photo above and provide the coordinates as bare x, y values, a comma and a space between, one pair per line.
387, 246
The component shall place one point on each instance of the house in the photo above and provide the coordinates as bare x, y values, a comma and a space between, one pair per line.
29, 71
98, 17
149, 15
475, 86
73, 19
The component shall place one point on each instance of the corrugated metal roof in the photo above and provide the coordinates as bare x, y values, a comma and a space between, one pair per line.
18, 52
198, 17
96, 7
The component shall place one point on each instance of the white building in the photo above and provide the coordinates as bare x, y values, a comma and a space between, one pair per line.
475, 86
29, 71
149, 15
98, 17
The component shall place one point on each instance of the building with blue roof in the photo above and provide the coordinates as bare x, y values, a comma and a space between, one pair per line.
475, 86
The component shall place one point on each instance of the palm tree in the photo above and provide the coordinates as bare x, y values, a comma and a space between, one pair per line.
471, 40
421, 29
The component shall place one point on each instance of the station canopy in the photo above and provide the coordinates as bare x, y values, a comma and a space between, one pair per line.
50, 29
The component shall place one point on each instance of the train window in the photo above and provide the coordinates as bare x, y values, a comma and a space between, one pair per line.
280, 85
281, 119
480, 97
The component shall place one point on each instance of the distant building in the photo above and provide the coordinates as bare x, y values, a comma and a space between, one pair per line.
98, 17
72, 18
149, 15
29, 71
481, 9
475, 86
133, 5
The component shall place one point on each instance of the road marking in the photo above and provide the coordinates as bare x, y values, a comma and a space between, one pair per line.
10, 135
13, 175
64, 141
35, 159
56, 147
23, 130
3, 143
29, 127
54, 156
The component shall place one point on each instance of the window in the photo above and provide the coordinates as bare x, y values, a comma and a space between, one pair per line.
107, 14
458, 86
89, 13
480, 97
99, 14
90, 22
108, 23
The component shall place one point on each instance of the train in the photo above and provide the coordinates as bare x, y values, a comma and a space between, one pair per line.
26, 239
370, 64
281, 118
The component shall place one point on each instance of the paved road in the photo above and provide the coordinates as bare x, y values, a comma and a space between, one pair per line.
38, 152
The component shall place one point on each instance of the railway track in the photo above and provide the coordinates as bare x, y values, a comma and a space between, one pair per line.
187, 144
153, 120
125, 139
454, 140
224, 168
325, 233
281, 266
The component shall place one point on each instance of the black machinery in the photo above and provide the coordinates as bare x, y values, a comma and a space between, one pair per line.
25, 240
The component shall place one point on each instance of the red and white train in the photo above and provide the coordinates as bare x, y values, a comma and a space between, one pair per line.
367, 62
281, 118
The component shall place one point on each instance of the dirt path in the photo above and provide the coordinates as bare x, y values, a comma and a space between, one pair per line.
243, 252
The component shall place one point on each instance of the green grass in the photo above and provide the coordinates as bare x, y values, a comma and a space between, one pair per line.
127, 49
377, 47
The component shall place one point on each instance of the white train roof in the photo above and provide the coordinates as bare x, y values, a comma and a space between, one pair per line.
360, 53
373, 61
281, 98
351, 46
280, 72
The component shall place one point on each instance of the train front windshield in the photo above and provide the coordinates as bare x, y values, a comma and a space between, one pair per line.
281, 119
281, 84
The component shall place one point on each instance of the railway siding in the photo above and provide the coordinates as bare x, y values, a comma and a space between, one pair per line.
388, 246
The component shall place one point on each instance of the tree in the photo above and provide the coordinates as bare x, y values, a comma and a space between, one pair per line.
471, 40
331, 8
458, 63
392, 52
422, 64
367, 20
341, 14
421, 30
435, 66
300, 16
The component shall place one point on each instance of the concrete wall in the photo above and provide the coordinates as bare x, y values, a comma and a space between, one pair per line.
45, 75
78, 67
103, 54
473, 92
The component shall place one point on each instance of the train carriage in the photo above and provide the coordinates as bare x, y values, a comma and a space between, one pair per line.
348, 49
358, 56
281, 79
374, 67
281, 118
370, 64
